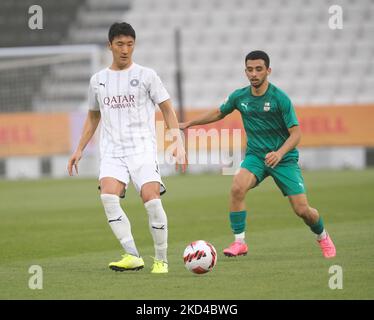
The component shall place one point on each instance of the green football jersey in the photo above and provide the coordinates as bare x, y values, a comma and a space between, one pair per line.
266, 119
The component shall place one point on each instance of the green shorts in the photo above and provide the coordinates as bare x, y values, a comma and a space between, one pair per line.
287, 174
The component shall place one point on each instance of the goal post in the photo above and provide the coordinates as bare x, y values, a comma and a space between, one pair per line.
48, 79
43, 95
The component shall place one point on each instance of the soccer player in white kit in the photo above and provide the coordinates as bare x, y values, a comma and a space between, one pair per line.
124, 97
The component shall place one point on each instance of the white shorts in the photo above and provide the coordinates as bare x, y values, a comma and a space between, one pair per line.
139, 168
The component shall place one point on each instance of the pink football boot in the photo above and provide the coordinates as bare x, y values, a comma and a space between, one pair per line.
327, 247
235, 249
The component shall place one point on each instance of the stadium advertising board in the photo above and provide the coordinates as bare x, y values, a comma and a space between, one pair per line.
38, 134
321, 126
34, 134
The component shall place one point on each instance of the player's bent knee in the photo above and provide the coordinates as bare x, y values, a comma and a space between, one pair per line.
150, 196
150, 191
111, 186
238, 192
302, 210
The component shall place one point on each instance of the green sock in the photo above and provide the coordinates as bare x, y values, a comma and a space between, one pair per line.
318, 227
238, 221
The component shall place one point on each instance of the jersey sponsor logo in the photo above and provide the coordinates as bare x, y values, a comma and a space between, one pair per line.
267, 106
134, 82
102, 84
120, 101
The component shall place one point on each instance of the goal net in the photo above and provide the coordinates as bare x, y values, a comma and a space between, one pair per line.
45, 79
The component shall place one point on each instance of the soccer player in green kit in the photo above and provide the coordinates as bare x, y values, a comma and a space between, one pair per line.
273, 133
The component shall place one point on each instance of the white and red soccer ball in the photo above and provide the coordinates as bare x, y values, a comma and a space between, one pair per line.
200, 257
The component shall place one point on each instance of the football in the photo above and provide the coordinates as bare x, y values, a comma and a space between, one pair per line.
200, 257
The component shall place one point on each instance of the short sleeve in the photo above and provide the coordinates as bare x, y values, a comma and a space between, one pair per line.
157, 91
288, 112
93, 102
228, 105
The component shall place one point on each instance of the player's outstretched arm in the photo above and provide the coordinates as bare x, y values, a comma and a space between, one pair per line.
211, 116
89, 128
172, 124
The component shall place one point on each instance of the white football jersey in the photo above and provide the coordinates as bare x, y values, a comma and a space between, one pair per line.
127, 101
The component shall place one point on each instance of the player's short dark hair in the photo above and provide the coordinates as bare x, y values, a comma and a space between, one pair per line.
120, 29
258, 54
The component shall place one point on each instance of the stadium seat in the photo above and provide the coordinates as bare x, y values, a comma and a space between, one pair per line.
216, 36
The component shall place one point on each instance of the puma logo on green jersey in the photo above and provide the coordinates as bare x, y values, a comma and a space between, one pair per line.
245, 105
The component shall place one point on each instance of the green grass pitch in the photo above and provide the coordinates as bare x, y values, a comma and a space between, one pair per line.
60, 225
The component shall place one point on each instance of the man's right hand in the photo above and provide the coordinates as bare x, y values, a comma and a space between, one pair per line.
73, 162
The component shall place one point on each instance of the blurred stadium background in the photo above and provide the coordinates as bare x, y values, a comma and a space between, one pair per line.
44, 74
